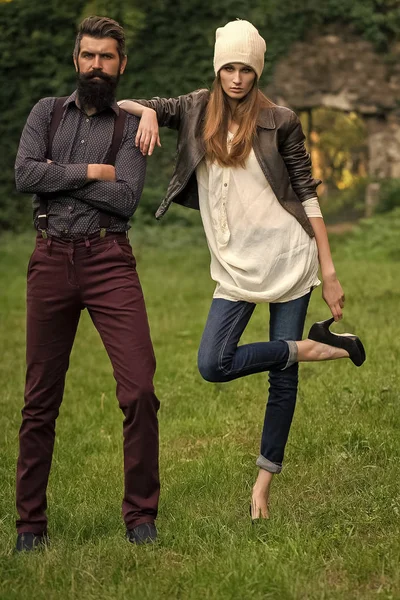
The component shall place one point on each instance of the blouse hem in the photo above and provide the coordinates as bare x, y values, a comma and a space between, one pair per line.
268, 300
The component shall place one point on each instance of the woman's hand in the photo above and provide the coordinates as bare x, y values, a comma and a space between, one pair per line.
333, 295
147, 134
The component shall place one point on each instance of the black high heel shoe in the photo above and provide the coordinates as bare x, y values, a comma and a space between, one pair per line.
319, 332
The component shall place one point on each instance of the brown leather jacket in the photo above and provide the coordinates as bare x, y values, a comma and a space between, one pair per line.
278, 146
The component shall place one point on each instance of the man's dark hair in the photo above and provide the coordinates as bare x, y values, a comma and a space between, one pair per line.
101, 27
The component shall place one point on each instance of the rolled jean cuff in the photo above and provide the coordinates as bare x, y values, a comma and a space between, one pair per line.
267, 465
293, 352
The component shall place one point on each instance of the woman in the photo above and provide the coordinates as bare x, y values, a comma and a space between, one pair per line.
242, 161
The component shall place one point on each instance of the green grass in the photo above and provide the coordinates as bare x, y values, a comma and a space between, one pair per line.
335, 509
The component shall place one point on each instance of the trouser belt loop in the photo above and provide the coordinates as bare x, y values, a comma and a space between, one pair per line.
103, 232
44, 234
88, 245
49, 242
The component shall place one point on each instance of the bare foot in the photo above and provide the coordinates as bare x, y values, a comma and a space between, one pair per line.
309, 351
259, 499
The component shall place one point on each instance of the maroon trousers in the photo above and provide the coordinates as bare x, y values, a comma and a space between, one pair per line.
65, 277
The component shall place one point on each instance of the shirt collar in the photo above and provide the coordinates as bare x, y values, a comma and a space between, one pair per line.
72, 99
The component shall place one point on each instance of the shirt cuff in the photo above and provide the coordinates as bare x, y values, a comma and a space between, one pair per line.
312, 208
75, 175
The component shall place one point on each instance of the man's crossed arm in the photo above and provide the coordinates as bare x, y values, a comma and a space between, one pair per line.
112, 189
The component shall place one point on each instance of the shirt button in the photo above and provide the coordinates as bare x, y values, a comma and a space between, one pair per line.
69, 207
82, 141
65, 230
225, 184
87, 120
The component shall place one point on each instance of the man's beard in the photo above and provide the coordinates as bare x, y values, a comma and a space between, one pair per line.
96, 93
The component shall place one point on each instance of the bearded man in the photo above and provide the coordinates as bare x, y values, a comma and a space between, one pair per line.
78, 156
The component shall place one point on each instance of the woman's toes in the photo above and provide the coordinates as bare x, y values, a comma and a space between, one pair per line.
259, 508
255, 511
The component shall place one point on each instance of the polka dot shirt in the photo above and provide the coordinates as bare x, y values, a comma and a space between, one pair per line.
74, 204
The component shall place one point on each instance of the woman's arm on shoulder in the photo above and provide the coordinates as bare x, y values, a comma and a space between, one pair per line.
167, 112
170, 111
147, 135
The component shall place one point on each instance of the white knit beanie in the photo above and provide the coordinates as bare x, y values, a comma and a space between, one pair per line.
239, 41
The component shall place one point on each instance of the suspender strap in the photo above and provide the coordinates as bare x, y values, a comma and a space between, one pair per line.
119, 124
58, 111
56, 117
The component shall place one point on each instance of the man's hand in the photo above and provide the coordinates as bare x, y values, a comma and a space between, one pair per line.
100, 173
147, 134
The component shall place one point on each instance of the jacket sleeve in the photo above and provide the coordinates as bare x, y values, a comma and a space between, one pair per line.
298, 160
170, 111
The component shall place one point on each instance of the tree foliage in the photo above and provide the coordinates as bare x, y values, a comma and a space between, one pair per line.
170, 48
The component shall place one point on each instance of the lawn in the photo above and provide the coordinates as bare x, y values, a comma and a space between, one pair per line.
335, 509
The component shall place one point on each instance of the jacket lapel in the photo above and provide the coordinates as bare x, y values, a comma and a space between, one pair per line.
266, 119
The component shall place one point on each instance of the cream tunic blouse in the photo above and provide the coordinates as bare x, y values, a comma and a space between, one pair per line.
259, 251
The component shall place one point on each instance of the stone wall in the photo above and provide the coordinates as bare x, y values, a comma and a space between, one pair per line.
338, 69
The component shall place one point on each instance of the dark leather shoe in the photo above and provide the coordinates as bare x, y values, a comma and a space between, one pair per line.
319, 332
146, 533
26, 542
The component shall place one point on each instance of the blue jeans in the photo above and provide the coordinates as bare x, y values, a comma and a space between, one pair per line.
221, 359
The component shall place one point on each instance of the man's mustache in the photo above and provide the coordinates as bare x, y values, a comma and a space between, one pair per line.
96, 73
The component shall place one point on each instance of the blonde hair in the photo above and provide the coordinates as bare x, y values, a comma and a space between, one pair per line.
218, 114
